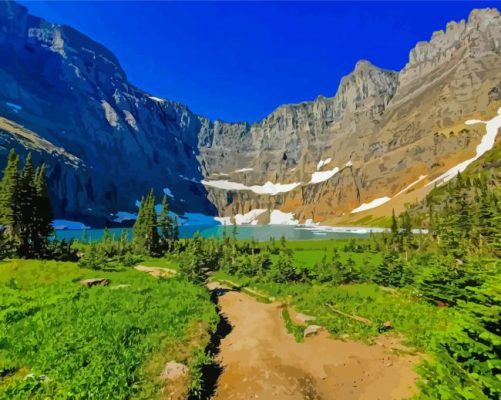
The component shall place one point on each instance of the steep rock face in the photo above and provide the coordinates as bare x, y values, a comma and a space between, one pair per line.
382, 130
384, 134
62, 86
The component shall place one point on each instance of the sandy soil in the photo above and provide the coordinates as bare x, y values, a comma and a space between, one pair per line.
157, 271
261, 361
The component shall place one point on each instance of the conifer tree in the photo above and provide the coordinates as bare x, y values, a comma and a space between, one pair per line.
8, 195
146, 237
138, 231
169, 229
164, 221
25, 204
390, 271
43, 214
466, 363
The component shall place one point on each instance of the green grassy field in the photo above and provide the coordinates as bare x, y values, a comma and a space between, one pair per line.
61, 340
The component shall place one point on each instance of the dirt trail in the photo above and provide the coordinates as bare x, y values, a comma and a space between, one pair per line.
261, 361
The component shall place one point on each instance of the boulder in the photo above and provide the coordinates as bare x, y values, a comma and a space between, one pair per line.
312, 330
94, 282
303, 318
174, 370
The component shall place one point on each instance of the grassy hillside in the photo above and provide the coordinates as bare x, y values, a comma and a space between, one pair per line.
59, 339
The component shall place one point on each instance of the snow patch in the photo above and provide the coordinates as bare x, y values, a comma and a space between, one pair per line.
61, 224
244, 170
348, 164
373, 204
322, 176
421, 177
168, 192
278, 217
15, 107
378, 202
487, 143
122, 216
267, 188
224, 220
157, 99
242, 219
321, 163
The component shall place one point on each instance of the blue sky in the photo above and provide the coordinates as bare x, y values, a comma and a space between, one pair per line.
239, 61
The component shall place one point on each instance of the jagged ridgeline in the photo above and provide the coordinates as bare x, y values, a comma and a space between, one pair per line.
378, 141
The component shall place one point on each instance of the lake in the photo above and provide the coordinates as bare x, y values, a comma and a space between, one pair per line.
257, 232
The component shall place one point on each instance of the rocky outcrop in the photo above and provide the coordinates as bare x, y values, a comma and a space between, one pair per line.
62, 86
384, 135
383, 130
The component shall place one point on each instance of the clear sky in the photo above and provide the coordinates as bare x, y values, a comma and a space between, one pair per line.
239, 61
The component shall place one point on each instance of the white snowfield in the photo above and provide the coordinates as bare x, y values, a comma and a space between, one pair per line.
267, 188
321, 176
274, 188
349, 164
380, 201
321, 163
278, 217
373, 204
249, 218
487, 143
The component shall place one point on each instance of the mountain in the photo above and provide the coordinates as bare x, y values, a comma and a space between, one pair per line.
381, 132
381, 139
66, 98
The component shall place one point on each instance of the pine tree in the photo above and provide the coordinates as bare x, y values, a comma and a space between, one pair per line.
390, 272
283, 270
138, 232
42, 215
8, 196
169, 228
25, 204
145, 230
466, 363
164, 221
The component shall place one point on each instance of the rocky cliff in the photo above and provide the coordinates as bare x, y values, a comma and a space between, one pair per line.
381, 139
383, 132
118, 141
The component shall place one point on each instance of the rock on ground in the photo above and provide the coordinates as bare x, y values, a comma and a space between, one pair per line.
95, 282
312, 330
174, 370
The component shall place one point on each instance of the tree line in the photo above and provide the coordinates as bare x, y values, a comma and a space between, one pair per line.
25, 210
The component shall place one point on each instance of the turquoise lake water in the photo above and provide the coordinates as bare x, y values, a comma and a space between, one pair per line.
258, 232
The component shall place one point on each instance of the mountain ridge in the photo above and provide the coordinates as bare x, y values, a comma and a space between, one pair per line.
97, 115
